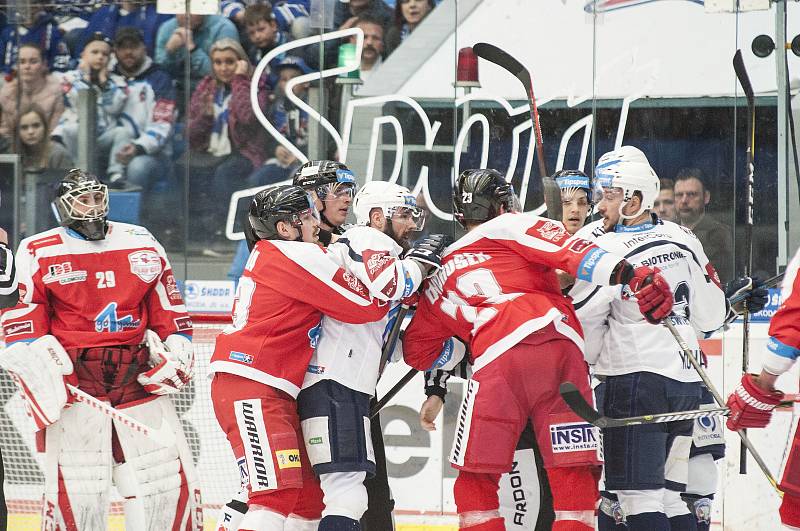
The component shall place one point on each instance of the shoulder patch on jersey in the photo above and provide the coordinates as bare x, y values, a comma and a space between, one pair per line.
47, 241
375, 262
580, 245
173, 293
345, 279
551, 231
145, 264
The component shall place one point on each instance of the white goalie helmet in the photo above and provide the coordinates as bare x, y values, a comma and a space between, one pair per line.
389, 197
627, 168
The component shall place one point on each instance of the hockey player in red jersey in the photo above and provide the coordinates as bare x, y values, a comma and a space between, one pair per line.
260, 361
754, 399
99, 308
498, 291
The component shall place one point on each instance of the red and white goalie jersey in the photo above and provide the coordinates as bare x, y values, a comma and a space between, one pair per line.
95, 293
498, 285
285, 289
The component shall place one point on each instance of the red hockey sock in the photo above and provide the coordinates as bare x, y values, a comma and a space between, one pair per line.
475, 491
575, 497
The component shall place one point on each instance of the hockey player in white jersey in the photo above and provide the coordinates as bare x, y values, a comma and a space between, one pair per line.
641, 365
342, 374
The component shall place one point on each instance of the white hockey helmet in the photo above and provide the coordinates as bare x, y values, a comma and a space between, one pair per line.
627, 168
389, 197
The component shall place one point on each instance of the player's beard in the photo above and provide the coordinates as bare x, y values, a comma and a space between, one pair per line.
402, 242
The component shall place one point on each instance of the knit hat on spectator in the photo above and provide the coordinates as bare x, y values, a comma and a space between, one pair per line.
291, 61
128, 36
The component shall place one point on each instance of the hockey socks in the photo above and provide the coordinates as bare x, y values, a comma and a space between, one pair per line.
339, 523
684, 522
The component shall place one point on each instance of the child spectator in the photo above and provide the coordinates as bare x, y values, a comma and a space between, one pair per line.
263, 32
225, 138
291, 16
149, 113
108, 18
290, 121
174, 40
93, 73
407, 16
33, 83
39, 28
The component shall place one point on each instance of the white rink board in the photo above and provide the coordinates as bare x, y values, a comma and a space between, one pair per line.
422, 481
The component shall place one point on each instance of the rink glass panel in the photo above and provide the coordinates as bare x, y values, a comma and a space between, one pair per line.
674, 91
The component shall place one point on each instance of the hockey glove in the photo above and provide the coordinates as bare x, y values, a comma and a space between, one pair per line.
428, 251
40, 370
750, 405
652, 293
172, 364
756, 296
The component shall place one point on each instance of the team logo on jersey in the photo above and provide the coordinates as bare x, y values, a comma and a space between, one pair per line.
14, 329
375, 262
573, 437
343, 278
313, 335
579, 245
551, 231
145, 264
63, 274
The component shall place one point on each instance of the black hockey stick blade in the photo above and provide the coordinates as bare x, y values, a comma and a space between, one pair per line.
744, 79
576, 403
501, 58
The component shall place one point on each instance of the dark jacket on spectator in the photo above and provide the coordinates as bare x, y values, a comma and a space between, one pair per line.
246, 133
717, 244
107, 19
378, 10
44, 33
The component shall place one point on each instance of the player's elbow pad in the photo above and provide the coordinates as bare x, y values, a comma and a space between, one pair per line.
779, 357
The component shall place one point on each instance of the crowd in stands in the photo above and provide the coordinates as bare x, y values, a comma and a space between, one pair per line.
154, 117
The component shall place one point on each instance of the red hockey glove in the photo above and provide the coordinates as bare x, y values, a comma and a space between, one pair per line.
652, 293
750, 405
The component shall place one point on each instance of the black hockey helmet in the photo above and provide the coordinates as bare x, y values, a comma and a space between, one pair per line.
81, 204
480, 193
317, 173
278, 203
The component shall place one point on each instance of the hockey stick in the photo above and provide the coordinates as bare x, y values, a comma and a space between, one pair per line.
493, 54
718, 398
744, 81
380, 404
162, 436
386, 353
576, 403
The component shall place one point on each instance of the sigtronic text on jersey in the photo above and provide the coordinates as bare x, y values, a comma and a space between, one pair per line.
454, 263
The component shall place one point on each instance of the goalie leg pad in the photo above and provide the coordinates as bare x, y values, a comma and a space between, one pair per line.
336, 428
158, 483
78, 462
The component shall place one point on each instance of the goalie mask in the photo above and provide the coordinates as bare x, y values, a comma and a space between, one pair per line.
290, 204
81, 204
626, 172
479, 195
329, 179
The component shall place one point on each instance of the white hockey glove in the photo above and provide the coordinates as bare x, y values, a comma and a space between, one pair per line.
39, 370
172, 363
